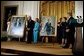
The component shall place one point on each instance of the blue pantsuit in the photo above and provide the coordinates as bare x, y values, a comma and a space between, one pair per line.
35, 32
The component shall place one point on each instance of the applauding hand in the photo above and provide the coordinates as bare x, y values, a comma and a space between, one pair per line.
67, 30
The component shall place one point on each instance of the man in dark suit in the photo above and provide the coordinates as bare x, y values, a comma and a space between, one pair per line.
59, 31
70, 31
30, 26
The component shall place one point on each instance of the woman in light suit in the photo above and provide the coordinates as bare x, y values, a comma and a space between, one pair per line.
36, 30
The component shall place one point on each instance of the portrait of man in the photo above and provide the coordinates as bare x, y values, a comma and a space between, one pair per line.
17, 26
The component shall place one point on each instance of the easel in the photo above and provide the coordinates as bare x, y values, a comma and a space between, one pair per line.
46, 39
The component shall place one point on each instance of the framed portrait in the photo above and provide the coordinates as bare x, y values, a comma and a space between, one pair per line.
17, 26
48, 26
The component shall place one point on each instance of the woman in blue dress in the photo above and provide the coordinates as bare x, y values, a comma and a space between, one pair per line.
36, 30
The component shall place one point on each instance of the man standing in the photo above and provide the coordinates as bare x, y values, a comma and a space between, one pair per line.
30, 26
70, 31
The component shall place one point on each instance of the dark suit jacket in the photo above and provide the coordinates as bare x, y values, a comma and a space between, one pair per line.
71, 25
30, 25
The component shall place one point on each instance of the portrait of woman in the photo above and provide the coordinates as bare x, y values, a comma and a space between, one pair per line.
48, 26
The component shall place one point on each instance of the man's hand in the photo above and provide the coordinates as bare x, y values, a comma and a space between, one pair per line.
28, 29
67, 30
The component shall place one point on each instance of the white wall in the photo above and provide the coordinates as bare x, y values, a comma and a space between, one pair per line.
10, 3
31, 8
24, 7
78, 8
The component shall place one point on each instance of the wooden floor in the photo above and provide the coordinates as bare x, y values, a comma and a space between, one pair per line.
45, 48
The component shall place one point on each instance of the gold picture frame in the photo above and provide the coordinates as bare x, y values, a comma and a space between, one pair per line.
17, 26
